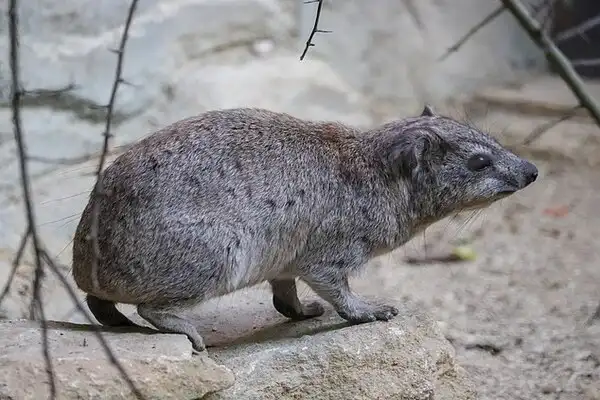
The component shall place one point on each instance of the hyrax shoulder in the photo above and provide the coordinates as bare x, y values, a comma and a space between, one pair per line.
231, 198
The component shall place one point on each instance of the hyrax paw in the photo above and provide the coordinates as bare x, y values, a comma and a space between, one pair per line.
369, 313
312, 310
197, 344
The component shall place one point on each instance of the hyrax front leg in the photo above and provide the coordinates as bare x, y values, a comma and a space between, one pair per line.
285, 300
166, 322
334, 288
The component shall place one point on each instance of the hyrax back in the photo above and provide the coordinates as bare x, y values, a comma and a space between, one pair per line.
232, 198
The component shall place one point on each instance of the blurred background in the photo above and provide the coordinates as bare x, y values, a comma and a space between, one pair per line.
515, 309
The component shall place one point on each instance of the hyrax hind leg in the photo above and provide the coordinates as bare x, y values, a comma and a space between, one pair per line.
285, 300
167, 322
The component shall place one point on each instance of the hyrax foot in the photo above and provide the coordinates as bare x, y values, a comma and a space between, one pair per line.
286, 302
170, 323
311, 310
366, 312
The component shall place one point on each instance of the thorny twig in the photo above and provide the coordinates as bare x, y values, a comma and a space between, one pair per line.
98, 189
13, 23
315, 28
562, 64
41, 255
108, 351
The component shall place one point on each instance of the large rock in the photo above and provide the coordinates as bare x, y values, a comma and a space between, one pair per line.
271, 357
161, 366
406, 358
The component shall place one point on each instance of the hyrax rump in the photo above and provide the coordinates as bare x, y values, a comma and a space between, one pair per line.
232, 198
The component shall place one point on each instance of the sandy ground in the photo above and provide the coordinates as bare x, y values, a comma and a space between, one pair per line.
516, 314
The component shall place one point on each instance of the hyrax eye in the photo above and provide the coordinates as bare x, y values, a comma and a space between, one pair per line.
479, 162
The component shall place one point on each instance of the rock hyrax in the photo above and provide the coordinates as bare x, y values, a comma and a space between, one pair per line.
232, 198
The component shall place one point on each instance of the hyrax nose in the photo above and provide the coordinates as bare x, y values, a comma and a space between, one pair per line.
530, 171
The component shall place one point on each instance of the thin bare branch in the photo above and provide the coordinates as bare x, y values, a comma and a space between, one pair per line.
489, 18
578, 30
539, 131
564, 67
98, 189
50, 92
591, 62
13, 27
96, 328
544, 12
315, 28
41, 256
45, 343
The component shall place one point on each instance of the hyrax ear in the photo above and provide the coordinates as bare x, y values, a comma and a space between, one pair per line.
416, 150
428, 111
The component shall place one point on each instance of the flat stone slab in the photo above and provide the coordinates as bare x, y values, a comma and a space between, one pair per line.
161, 365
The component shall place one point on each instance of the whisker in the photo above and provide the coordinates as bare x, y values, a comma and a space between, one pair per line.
59, 220
65, 198
473, 215
64, 248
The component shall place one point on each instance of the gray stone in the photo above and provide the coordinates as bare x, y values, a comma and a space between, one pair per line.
325, 358
407, 358
162, 366
271, 357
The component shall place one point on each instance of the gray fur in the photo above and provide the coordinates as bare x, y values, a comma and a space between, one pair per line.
228, 199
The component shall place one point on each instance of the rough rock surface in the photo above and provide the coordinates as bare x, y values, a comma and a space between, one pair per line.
161, 366
407, 358
326, 358
272, 358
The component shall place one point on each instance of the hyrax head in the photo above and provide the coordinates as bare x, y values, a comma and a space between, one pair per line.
452, 167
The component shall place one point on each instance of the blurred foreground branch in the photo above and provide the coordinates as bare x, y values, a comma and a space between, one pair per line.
31, 233
98, 188
41, 257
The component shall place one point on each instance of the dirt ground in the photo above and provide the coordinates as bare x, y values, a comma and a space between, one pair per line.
516, 314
